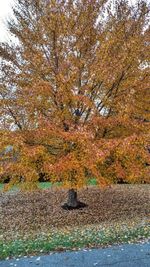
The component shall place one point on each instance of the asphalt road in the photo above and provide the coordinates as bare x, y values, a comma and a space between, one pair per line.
130, 255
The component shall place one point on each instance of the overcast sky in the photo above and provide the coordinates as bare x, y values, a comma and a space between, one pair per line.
5, 12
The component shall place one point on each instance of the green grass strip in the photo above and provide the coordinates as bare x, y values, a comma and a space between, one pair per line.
89, 236
1, 186
47, 185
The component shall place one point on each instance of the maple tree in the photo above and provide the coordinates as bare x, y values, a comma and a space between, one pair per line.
74, 98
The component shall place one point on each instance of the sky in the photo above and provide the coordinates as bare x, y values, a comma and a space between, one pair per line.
5, 12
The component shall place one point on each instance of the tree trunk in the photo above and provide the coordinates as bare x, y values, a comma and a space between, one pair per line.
72, 198
73, 202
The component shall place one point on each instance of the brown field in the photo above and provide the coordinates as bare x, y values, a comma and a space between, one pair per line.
24, 213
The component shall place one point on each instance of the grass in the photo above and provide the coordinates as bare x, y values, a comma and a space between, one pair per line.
1, 186
47, 185
76, 238
92, 181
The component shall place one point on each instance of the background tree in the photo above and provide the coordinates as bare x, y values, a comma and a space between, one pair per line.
74, 92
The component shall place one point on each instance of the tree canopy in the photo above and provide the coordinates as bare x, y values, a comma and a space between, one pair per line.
74, 92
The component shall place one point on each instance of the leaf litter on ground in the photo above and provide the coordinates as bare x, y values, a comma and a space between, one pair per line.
34, 222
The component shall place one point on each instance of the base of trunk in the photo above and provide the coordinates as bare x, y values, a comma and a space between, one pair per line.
80, 205
73, 202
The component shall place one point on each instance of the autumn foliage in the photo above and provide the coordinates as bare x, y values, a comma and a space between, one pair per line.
74, 92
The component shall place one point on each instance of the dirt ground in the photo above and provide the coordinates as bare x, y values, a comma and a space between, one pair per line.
41, 210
